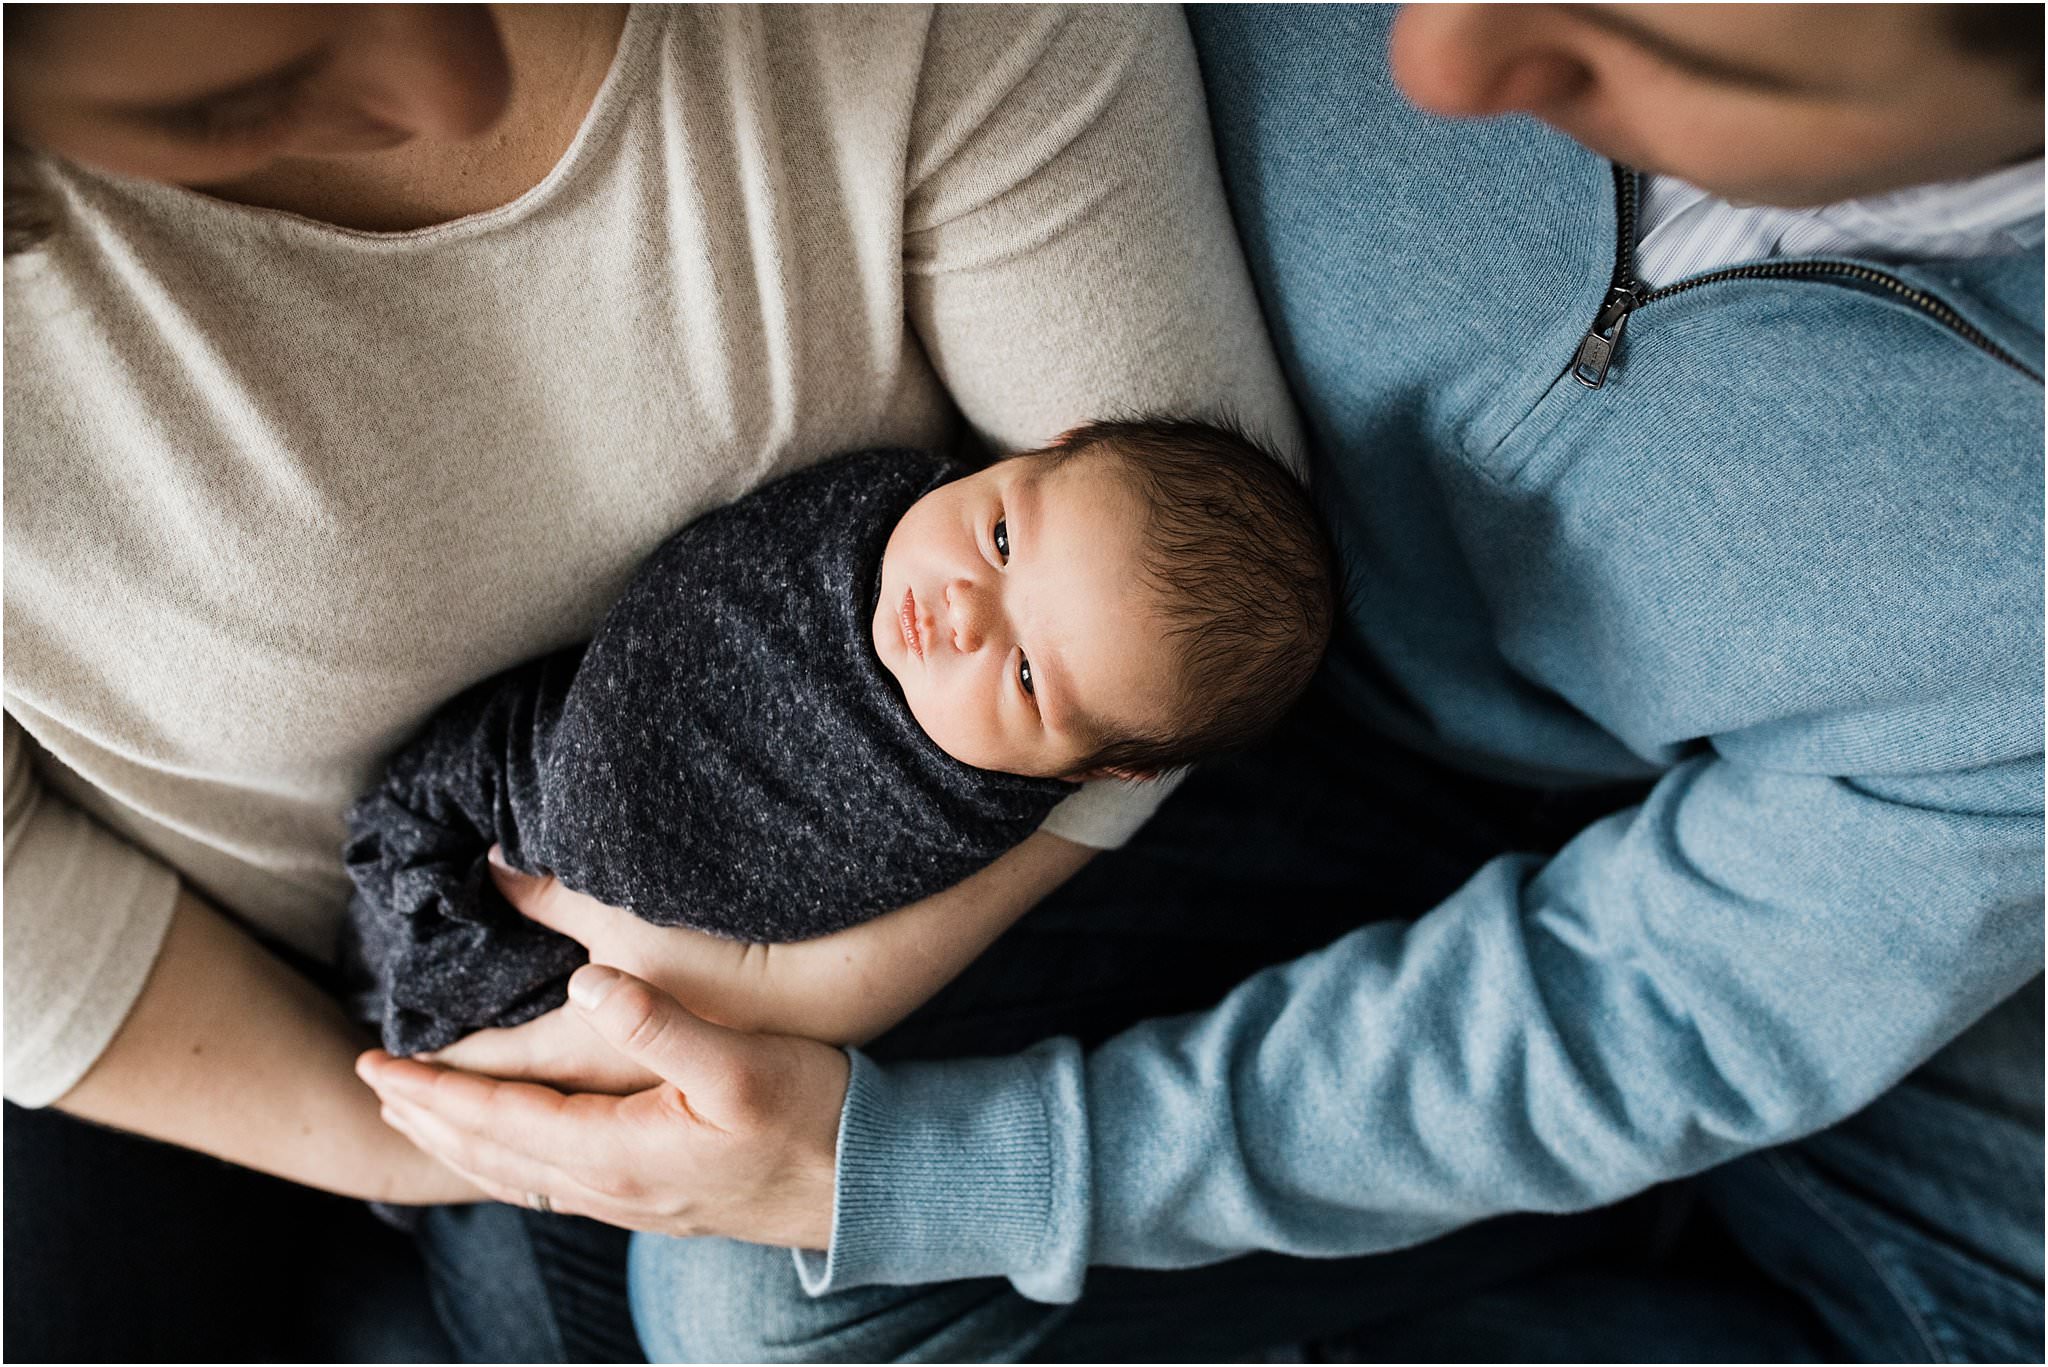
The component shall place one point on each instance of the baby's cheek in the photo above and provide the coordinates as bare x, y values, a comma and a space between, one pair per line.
965, 732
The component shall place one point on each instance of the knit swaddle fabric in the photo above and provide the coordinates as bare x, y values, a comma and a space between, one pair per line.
728, 753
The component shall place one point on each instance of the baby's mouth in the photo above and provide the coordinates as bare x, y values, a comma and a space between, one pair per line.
906, 615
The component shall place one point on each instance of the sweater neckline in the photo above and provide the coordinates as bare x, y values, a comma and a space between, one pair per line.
622, 82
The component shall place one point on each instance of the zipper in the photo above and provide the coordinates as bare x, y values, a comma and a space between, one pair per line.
1626, 293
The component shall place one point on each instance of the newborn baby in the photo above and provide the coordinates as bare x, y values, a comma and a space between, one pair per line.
843, 693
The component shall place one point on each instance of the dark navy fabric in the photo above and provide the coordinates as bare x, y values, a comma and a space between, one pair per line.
728, 753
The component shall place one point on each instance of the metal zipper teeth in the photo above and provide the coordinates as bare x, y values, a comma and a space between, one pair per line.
1627, 190
1634, 295
1813, 270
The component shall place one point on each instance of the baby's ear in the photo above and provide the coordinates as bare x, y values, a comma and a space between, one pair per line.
1117, 771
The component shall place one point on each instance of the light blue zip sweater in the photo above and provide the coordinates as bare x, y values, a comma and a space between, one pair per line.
1788, 557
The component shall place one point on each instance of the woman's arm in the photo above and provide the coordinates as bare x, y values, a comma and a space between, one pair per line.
850, 987
845, 988
230, 1052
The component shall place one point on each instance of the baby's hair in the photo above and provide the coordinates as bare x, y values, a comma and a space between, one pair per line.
1243, 571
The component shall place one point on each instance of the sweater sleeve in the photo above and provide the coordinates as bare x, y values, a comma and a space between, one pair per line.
1751, 955
86, 914
1068, 254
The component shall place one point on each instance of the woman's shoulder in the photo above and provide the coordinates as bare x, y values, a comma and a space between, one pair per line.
946, 79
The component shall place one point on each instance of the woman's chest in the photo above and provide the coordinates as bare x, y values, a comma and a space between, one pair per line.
245, 537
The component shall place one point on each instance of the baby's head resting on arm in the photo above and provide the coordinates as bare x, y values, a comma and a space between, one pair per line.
1135, 597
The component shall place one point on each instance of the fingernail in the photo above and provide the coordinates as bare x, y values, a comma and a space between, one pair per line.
591, 984
496, 855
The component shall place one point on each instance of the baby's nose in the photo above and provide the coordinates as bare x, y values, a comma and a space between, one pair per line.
964, 614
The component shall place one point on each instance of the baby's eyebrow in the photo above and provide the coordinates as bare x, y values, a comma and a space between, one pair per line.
1022, 507
1049, 668
1022, 497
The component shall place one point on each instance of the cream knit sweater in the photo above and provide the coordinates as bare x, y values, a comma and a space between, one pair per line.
274, 488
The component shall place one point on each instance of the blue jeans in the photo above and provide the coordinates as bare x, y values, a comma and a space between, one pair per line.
513, 1285
1910, 1232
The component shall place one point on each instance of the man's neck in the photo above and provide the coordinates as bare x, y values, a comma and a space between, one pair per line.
559, 56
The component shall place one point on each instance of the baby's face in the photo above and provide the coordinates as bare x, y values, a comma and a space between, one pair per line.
1014, 616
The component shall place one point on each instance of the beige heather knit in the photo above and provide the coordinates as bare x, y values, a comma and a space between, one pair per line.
274, 489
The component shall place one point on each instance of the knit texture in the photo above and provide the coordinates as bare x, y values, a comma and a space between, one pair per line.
728, 754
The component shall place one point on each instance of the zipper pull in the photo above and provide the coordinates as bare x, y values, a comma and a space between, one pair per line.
1596, 352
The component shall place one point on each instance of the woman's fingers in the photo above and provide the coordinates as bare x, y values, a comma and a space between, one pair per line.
508, 1179
611, 934
514, 1053
546, 1127
558, 1049
492, 1166
540, 898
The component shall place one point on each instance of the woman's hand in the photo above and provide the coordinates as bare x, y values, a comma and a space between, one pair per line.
558, 1048
736, 1137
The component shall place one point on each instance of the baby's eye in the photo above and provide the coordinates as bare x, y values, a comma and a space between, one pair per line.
1001, 536
1024, 674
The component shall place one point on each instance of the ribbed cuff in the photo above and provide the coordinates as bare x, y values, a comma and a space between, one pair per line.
956, 1169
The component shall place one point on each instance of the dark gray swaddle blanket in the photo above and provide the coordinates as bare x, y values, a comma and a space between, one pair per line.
728, 753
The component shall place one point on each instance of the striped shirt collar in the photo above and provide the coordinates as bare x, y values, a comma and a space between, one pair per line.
1686, 231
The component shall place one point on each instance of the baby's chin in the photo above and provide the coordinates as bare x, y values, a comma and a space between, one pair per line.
884, 633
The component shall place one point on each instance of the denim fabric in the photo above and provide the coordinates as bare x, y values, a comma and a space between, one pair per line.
731, 703
1785, 566
514, 1285
1914, 1228
732, 1302
1909, 1233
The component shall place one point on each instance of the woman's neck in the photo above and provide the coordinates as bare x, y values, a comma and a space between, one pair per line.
559, 56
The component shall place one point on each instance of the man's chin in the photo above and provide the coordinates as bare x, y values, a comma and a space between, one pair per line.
1743, 192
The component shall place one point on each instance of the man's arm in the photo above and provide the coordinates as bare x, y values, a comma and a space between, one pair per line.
1746, 958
